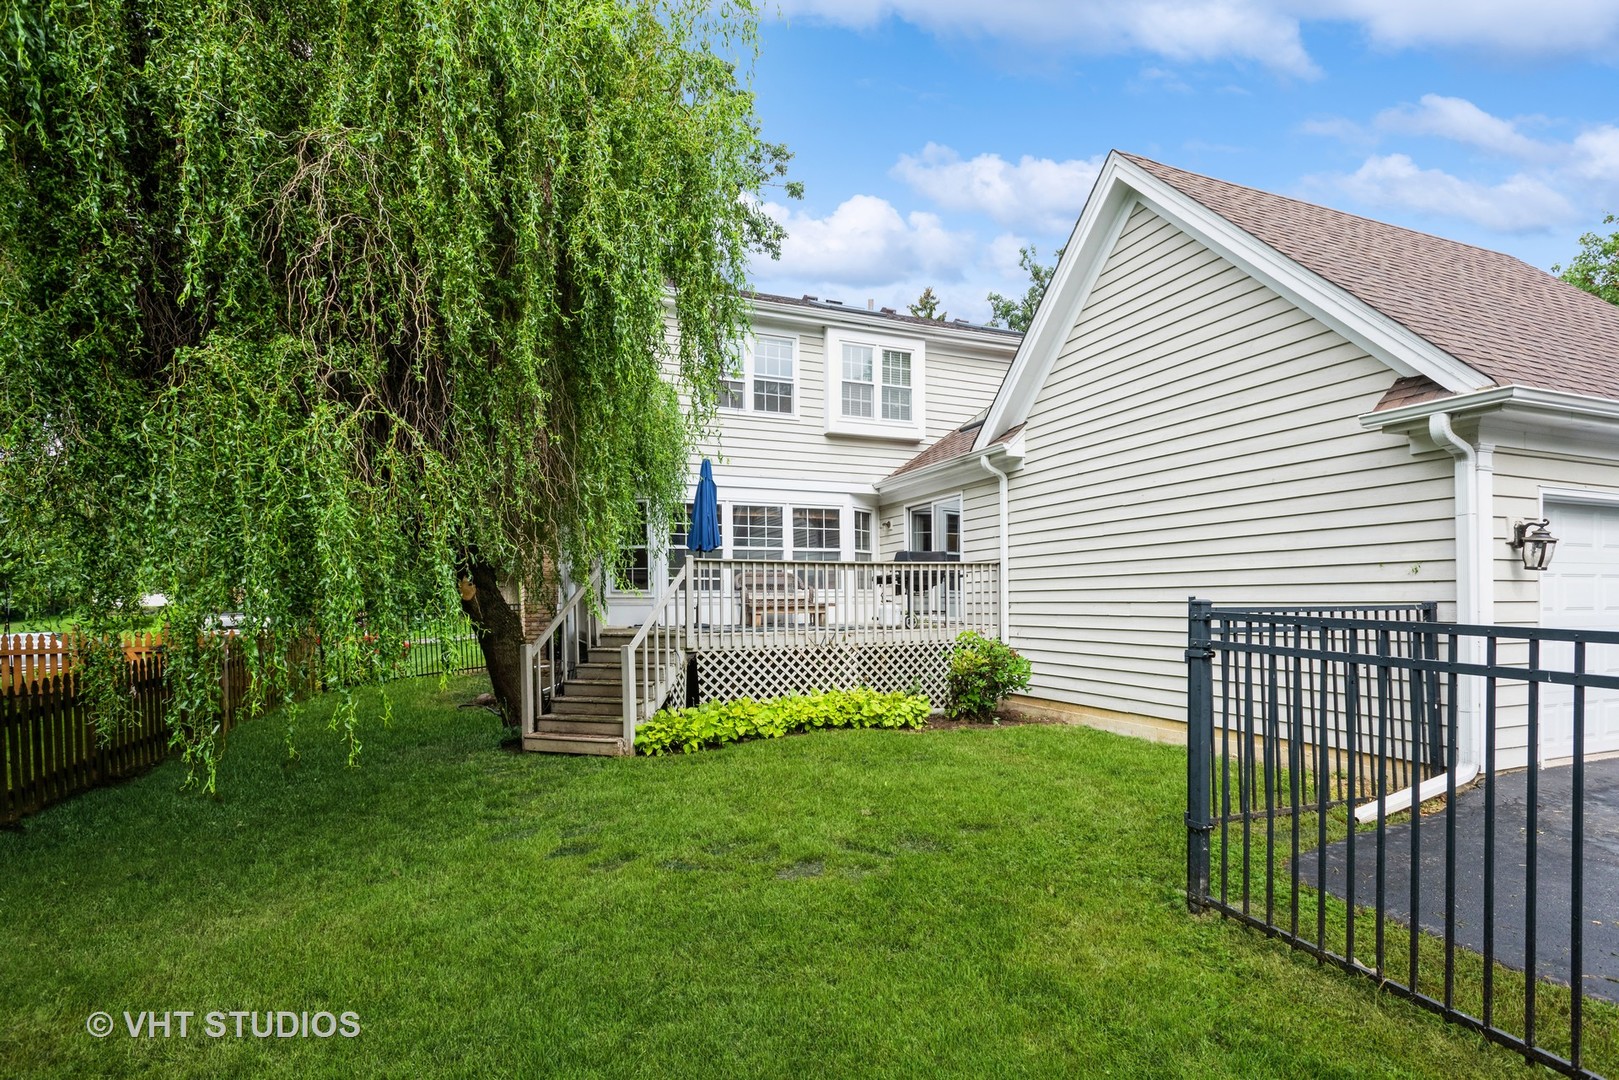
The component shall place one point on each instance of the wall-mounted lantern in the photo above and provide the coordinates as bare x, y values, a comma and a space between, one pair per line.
1531, 540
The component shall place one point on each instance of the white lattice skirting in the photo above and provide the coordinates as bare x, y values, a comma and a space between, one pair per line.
773, 672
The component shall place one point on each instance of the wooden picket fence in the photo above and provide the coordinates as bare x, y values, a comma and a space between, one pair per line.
49, 746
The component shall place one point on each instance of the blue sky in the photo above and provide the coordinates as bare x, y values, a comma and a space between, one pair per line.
936, 137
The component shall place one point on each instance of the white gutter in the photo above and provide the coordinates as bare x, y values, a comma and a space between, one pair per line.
1005, 571
1553, 402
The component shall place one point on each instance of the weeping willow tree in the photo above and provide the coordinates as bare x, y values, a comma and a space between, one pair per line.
334, 314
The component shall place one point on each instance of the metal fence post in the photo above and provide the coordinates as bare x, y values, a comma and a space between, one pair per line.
1199, 750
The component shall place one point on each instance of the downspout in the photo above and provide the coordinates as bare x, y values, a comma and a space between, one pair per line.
1474, 605
1475, 590
1005, 572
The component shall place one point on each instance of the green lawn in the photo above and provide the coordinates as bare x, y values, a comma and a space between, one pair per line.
972, 903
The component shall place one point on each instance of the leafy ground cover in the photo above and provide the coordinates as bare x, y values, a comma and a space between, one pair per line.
971, 902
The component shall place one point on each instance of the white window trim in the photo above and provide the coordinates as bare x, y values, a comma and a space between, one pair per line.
913, 430
748, 345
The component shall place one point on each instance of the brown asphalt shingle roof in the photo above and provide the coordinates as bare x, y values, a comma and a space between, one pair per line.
953, 445
1500, 316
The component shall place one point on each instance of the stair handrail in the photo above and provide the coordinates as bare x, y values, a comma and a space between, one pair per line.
663, 661
551, 657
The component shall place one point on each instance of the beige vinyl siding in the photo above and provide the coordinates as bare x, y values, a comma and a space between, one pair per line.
1198, 435
1522, 472
981, 520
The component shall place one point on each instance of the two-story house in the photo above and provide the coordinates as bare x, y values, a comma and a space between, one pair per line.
828, 400
818, 582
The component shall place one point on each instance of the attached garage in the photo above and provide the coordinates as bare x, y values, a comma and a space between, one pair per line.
1581, 591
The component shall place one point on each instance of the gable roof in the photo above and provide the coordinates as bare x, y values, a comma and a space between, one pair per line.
1511, 321
1448, 318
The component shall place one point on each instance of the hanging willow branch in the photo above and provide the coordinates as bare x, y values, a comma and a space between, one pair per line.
312, 309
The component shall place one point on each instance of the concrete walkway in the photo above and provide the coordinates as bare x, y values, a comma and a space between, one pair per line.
1553, 877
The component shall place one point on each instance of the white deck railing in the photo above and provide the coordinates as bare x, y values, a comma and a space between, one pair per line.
654, 661
772, 604
552, 658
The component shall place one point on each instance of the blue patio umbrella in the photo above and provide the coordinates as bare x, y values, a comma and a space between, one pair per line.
705, 513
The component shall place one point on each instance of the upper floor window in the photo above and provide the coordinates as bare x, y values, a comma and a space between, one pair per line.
872, 375
874, 385
762, 377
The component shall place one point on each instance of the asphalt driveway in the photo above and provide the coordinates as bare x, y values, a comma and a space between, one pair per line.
1553, 876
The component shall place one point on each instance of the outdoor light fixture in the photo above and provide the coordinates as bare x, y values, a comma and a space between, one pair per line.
1531, 540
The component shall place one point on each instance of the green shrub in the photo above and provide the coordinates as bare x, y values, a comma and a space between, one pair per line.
983, 671
721, 722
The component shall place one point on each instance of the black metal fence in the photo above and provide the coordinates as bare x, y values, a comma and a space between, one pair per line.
1311, 733
447, 650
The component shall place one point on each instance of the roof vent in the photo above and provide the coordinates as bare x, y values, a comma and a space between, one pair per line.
807, 296
837, 302
889, 311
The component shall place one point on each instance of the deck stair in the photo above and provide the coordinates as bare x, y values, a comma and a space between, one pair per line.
585, 715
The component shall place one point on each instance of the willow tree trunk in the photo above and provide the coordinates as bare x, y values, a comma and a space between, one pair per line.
500, 636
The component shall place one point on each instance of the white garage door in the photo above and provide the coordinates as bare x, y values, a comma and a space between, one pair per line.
1581, 591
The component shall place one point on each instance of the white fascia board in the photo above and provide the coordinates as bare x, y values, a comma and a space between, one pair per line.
1120, 185
1094, 235
1551, 406
941, 476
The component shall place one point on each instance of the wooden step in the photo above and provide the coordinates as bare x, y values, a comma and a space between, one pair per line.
600, 745
571, 704
552, 724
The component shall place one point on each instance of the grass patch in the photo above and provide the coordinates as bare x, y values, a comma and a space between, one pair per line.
969, 902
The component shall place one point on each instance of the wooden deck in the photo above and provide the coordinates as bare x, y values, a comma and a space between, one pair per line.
753, 628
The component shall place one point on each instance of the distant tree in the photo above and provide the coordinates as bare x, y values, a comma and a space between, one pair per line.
1018, 314
1596, 268
927, 306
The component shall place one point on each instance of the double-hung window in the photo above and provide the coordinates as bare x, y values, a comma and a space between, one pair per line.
862, 536
772, 374
874, 385
762, 377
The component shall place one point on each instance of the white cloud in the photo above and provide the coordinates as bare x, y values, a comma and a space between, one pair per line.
1037, 192
1596, 155
1518, 204
1180, 30
1263, 32
1459, 120
864, 241
1510, 27
866, 250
